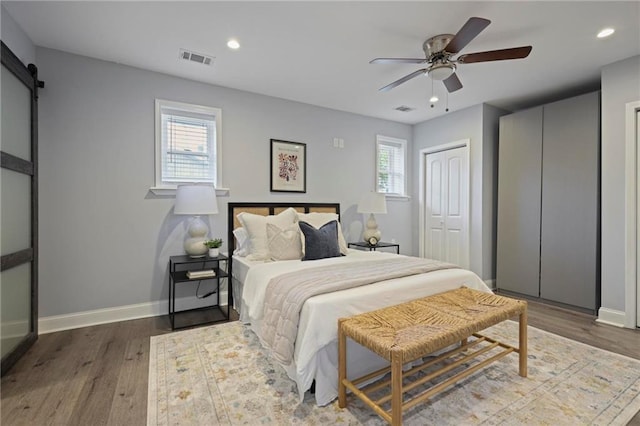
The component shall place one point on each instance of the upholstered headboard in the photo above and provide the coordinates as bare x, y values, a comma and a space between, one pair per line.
266, 209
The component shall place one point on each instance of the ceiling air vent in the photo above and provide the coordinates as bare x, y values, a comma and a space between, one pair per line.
404, 108
196, 57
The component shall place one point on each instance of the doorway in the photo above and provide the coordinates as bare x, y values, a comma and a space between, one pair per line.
444, 203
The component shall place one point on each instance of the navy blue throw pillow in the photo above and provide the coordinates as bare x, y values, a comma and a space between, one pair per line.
320, 243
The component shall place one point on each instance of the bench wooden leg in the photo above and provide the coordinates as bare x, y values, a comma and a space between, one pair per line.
396, 388
342, 366
522, 350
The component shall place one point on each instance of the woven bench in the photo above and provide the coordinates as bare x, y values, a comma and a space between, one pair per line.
409, 331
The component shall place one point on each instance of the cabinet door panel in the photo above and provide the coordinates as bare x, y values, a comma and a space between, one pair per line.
519, 192
16, 116
15, 313
15, 211
569, 246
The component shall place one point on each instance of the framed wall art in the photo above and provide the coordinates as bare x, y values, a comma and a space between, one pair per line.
288, 166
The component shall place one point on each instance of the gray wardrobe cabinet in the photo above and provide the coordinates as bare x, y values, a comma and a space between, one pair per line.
548, 202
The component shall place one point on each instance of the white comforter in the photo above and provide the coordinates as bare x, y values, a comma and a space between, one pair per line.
316, 354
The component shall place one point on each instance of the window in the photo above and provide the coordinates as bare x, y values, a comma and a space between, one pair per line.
187, 144
391, 166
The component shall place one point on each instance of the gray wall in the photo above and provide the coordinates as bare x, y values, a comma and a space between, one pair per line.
105, 239
620, 85
16, 39
478, 124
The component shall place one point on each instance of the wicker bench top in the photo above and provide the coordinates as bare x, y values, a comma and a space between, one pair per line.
422, 326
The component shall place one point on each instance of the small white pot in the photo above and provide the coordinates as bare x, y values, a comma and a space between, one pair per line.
214, 252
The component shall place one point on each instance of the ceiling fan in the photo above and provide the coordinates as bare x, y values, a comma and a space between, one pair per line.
440, 49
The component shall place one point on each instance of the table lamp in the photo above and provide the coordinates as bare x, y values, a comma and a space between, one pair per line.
196, 200
373, 202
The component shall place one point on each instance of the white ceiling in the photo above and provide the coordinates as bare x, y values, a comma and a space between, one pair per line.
319, 52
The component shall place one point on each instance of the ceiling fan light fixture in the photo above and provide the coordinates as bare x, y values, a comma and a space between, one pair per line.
441, 71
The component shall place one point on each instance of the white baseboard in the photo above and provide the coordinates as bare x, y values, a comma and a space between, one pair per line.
14, 329
611, 317
491, 284
108, 315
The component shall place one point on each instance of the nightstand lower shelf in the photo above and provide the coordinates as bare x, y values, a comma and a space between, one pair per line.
198, 316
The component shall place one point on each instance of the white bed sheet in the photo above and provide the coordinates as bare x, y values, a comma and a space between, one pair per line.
241, 266
316, 354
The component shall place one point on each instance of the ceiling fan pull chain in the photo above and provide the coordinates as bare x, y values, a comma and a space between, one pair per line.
431, 99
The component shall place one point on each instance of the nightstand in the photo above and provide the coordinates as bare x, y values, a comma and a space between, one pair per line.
179, 266
365, 245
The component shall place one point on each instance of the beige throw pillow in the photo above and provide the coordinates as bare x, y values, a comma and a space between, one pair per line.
284, 243
256, 227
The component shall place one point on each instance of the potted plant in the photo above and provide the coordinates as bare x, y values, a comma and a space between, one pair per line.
214, 246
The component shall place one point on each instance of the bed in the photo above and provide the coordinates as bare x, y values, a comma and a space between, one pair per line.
315, 353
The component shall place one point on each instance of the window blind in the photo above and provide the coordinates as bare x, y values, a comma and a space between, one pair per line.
188, 147
391, 168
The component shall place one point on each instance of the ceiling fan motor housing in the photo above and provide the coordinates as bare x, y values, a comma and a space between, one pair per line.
436, 44
441, 68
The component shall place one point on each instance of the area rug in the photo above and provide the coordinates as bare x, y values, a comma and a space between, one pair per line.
220, 375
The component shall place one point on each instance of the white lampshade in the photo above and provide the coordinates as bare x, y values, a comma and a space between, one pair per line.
373, 202
196, 199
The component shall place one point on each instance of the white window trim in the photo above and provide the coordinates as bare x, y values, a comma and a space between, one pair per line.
380, 139
164, 189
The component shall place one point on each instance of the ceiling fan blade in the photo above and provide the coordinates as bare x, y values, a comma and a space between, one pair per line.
397, 61
402, 80
495, 55
452, 83
468, 32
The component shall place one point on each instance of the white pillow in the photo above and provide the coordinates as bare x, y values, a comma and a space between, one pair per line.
284, 243
317, 220
242, 242
256, 227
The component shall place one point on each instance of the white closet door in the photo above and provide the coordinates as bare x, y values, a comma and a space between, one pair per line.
446, 206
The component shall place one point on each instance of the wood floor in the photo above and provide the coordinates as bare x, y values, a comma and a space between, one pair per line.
98, 375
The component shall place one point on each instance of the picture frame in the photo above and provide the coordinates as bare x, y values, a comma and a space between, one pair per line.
288, 166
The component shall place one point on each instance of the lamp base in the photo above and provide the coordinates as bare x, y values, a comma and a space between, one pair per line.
194, 244
372, 230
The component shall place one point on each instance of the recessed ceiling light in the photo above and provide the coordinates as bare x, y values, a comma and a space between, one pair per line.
434, 98
606, 32
233, 44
